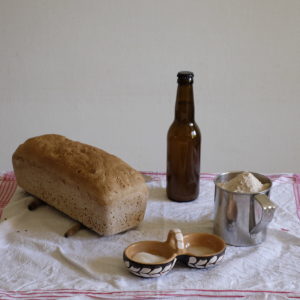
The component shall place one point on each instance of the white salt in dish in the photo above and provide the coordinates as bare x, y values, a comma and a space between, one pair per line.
148, 258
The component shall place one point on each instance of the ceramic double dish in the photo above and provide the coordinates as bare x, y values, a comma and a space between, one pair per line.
154, 258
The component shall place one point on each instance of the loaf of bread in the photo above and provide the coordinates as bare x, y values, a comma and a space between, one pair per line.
86, 183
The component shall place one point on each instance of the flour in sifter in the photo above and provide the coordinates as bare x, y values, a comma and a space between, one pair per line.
244, 183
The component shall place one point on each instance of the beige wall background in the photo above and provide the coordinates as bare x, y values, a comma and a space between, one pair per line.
104, 73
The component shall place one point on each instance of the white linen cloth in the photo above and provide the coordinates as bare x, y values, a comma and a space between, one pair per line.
38, 262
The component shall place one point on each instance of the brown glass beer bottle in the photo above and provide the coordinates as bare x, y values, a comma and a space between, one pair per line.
183, 145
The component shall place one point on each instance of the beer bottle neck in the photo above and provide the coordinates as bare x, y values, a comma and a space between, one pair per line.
184, 108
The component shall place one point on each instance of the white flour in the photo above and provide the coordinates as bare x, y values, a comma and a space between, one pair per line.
244, 183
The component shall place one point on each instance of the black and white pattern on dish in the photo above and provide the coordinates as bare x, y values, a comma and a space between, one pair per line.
149, 271
201, 262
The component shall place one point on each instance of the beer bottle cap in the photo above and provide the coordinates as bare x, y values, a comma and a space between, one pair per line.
185, 77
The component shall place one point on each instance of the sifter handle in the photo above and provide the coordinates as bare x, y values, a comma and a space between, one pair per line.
268, 209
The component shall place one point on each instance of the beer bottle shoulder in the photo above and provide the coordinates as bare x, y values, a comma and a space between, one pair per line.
180, 129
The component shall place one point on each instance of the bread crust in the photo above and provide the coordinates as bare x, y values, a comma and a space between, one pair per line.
88, 184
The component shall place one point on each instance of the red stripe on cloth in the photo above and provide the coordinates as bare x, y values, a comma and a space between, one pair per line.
154, 296
297, 193
6, 191
180, 292
277, 176
9, 176
3, 192
36, 298
8, 186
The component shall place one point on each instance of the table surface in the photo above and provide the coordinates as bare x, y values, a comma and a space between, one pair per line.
37, 262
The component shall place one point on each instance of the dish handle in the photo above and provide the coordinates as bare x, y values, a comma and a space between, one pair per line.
175, 240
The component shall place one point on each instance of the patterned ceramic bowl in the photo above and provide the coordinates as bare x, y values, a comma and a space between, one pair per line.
202, 250
153, 258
